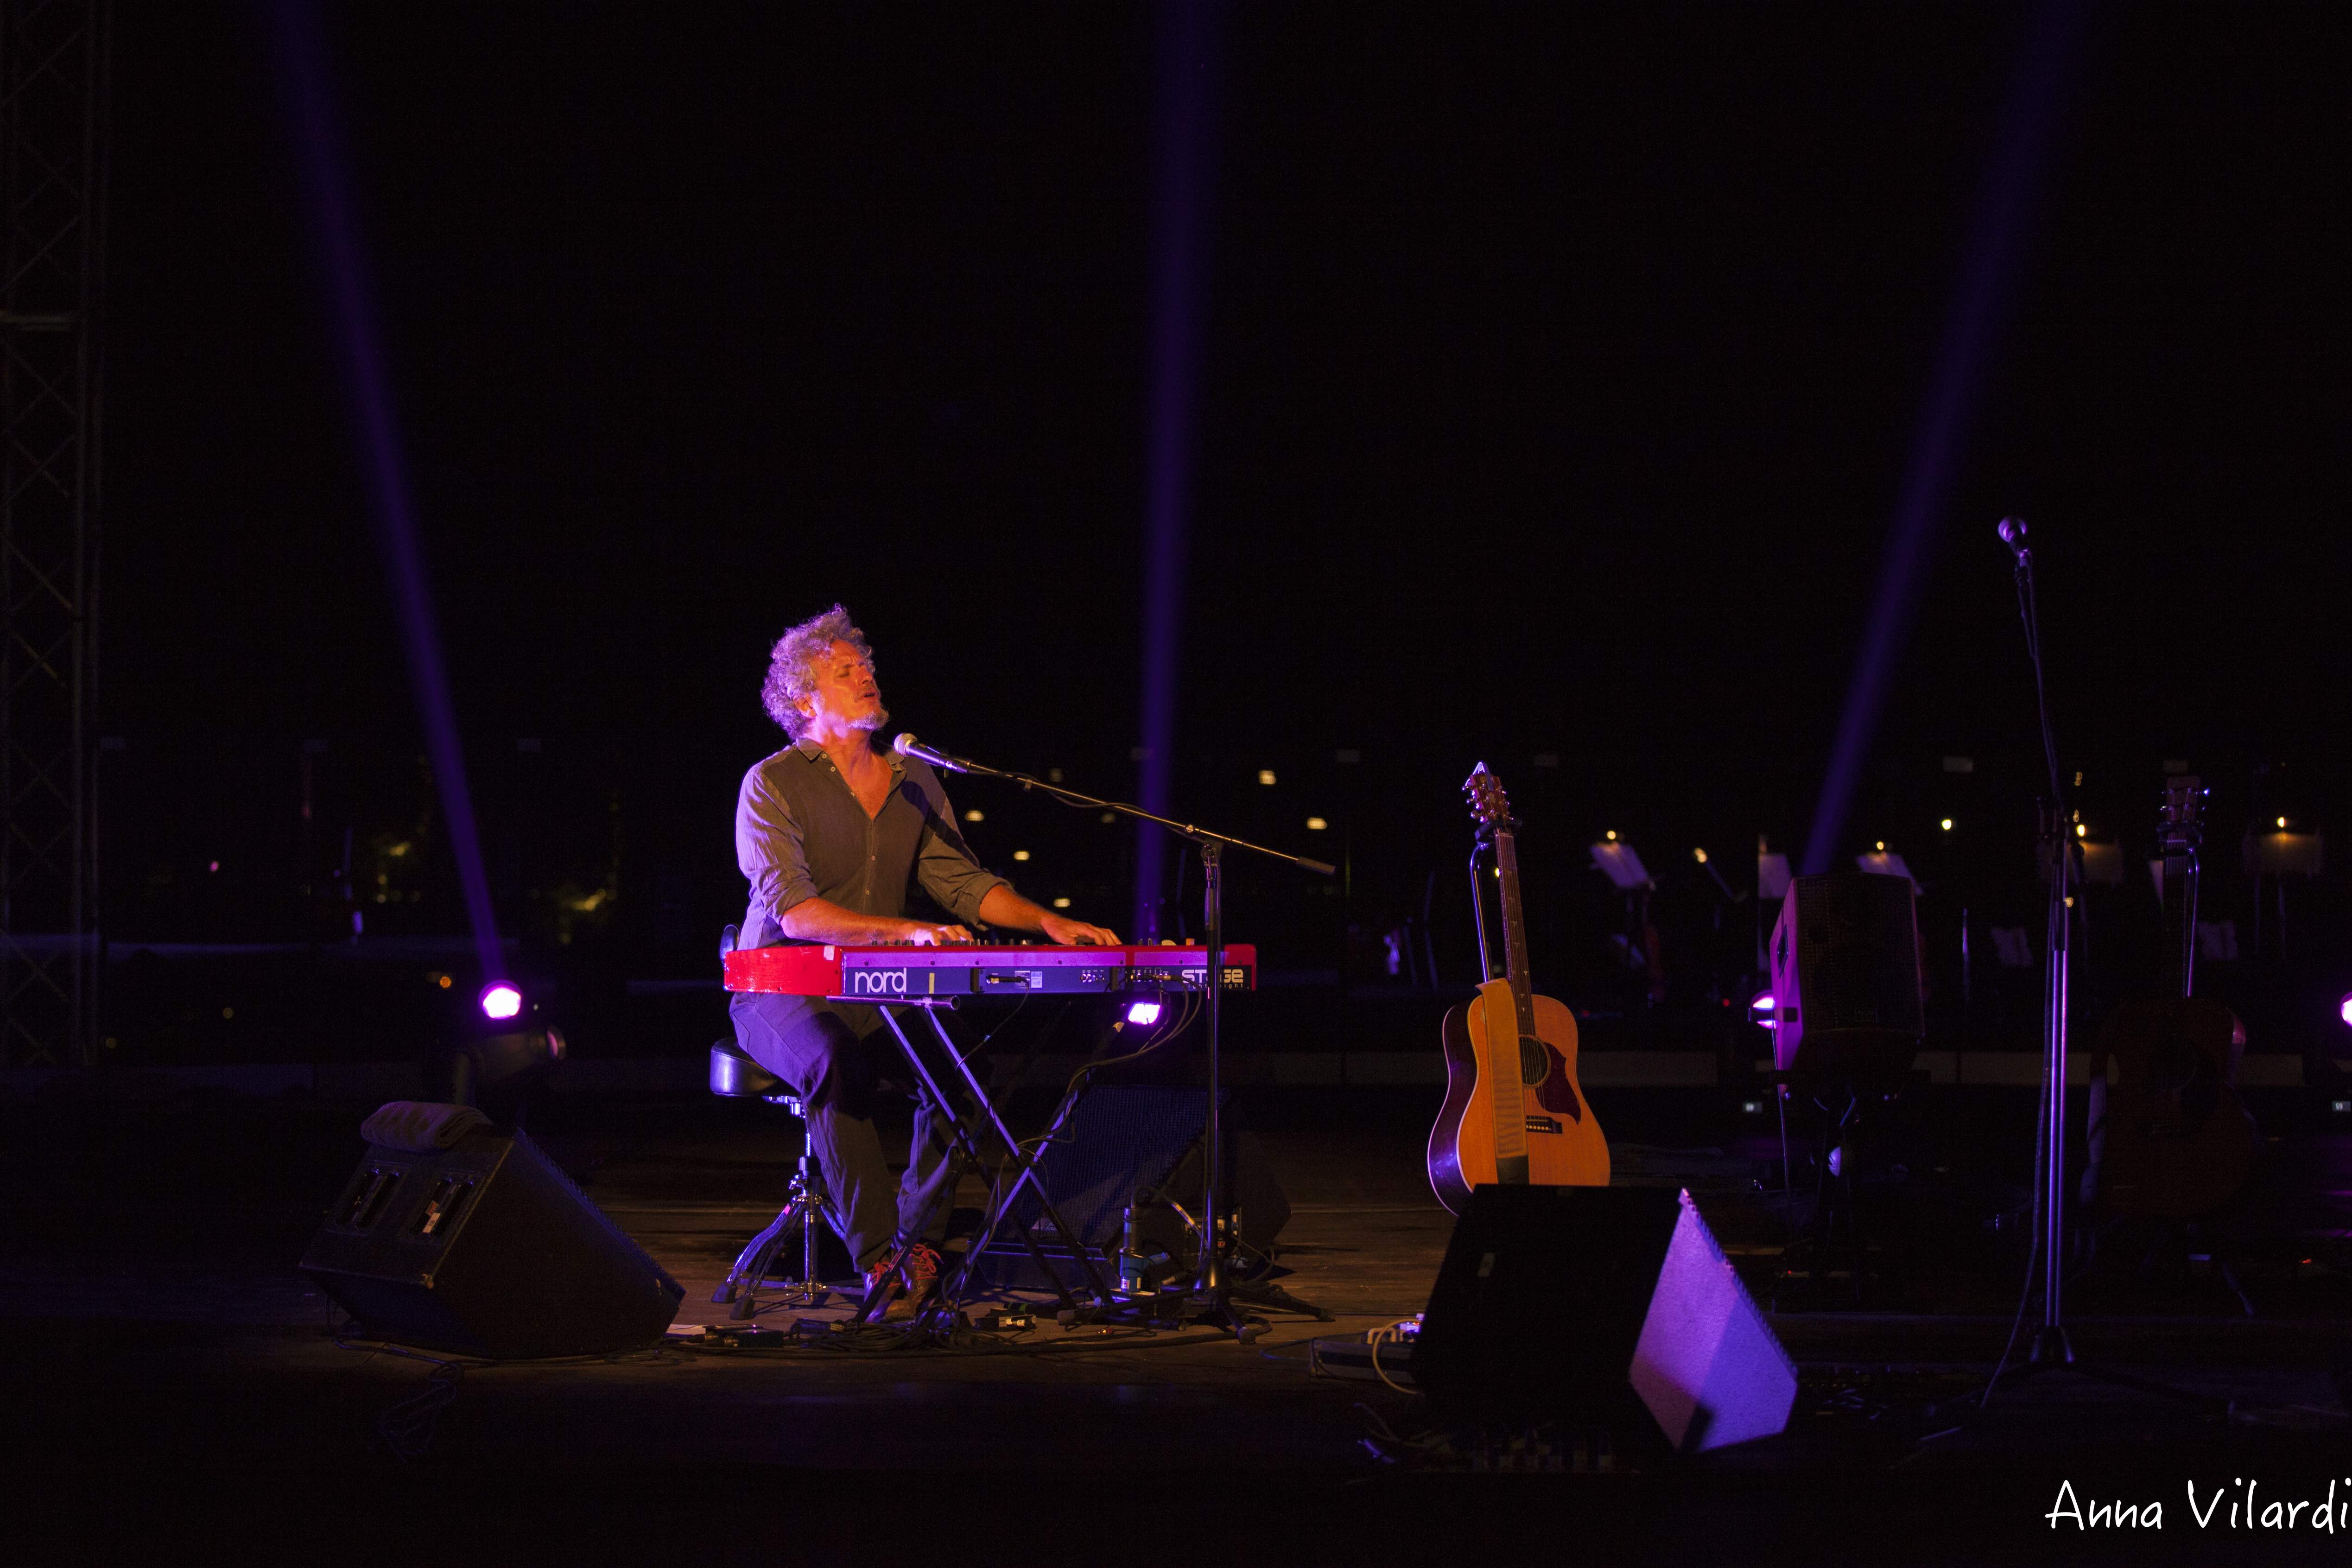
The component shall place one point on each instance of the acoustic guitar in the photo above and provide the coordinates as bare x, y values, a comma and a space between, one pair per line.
1513, 1112
2169, 1135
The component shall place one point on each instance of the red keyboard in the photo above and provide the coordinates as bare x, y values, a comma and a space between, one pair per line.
882, 972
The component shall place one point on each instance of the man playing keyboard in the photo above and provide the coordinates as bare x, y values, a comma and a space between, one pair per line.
831, 832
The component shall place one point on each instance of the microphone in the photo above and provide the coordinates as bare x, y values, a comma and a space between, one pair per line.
2012, 534
906, 745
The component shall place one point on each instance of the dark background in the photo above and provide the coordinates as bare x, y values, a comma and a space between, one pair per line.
1560, 369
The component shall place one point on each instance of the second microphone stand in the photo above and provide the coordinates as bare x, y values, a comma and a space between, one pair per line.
2052, 1350
1215, 1288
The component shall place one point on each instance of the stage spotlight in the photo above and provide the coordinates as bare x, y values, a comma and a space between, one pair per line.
1947, 824
1143, 1014
1763, 1010
2344, 1009
501, 1000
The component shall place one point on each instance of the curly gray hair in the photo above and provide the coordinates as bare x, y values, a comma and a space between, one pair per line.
789, 678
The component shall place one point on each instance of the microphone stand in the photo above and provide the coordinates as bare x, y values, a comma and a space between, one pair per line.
2053, 1351
1215, 1288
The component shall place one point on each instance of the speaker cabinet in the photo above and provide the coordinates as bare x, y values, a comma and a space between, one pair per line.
1580, 1303
486, 1249
1845, 976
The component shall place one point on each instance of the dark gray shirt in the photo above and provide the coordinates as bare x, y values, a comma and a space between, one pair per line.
800, 833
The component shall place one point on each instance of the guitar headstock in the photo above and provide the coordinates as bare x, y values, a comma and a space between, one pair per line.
1489, 806
2181, 828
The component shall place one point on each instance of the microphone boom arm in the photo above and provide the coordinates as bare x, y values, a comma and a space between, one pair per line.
908, 746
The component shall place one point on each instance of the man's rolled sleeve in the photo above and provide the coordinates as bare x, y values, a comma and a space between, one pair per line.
769, 849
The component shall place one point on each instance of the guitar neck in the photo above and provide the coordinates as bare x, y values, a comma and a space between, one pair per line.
2180, 923
1515, 934
2182, 831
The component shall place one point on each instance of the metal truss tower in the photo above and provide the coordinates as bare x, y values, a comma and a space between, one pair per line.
53, 123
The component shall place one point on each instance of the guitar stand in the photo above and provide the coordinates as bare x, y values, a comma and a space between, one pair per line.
939, 1316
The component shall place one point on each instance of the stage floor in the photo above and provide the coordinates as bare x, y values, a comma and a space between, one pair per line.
157, 1327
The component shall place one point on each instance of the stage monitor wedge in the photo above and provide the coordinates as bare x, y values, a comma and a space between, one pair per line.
486, 1249
1845, 977
1587, 1305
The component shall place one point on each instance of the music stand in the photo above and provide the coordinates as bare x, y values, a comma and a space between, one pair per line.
1213, 1289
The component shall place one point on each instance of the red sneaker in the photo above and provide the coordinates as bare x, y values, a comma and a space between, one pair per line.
905, 1280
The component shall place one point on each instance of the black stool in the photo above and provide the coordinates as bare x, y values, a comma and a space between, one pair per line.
733, 1073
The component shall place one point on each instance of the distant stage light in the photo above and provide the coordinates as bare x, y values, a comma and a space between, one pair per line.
2282, 822
2081, 831
1143, 1014
1061, 903
1615, 859
1265, 775
1020, 854
1316, 825
2344, 1009
1763, 1010
501, 1000
1947, 824
1699, 856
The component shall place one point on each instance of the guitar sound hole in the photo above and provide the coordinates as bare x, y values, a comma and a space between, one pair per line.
1533, 1067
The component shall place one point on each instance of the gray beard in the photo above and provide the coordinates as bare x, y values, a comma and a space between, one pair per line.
879, 717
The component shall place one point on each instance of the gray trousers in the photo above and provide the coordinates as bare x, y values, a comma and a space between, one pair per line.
841, 1060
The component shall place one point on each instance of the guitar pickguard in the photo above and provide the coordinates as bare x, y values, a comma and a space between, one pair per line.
1556, 1092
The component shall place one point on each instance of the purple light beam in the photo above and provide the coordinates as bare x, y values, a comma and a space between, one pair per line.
318, 133
1987, 280
1185, 120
